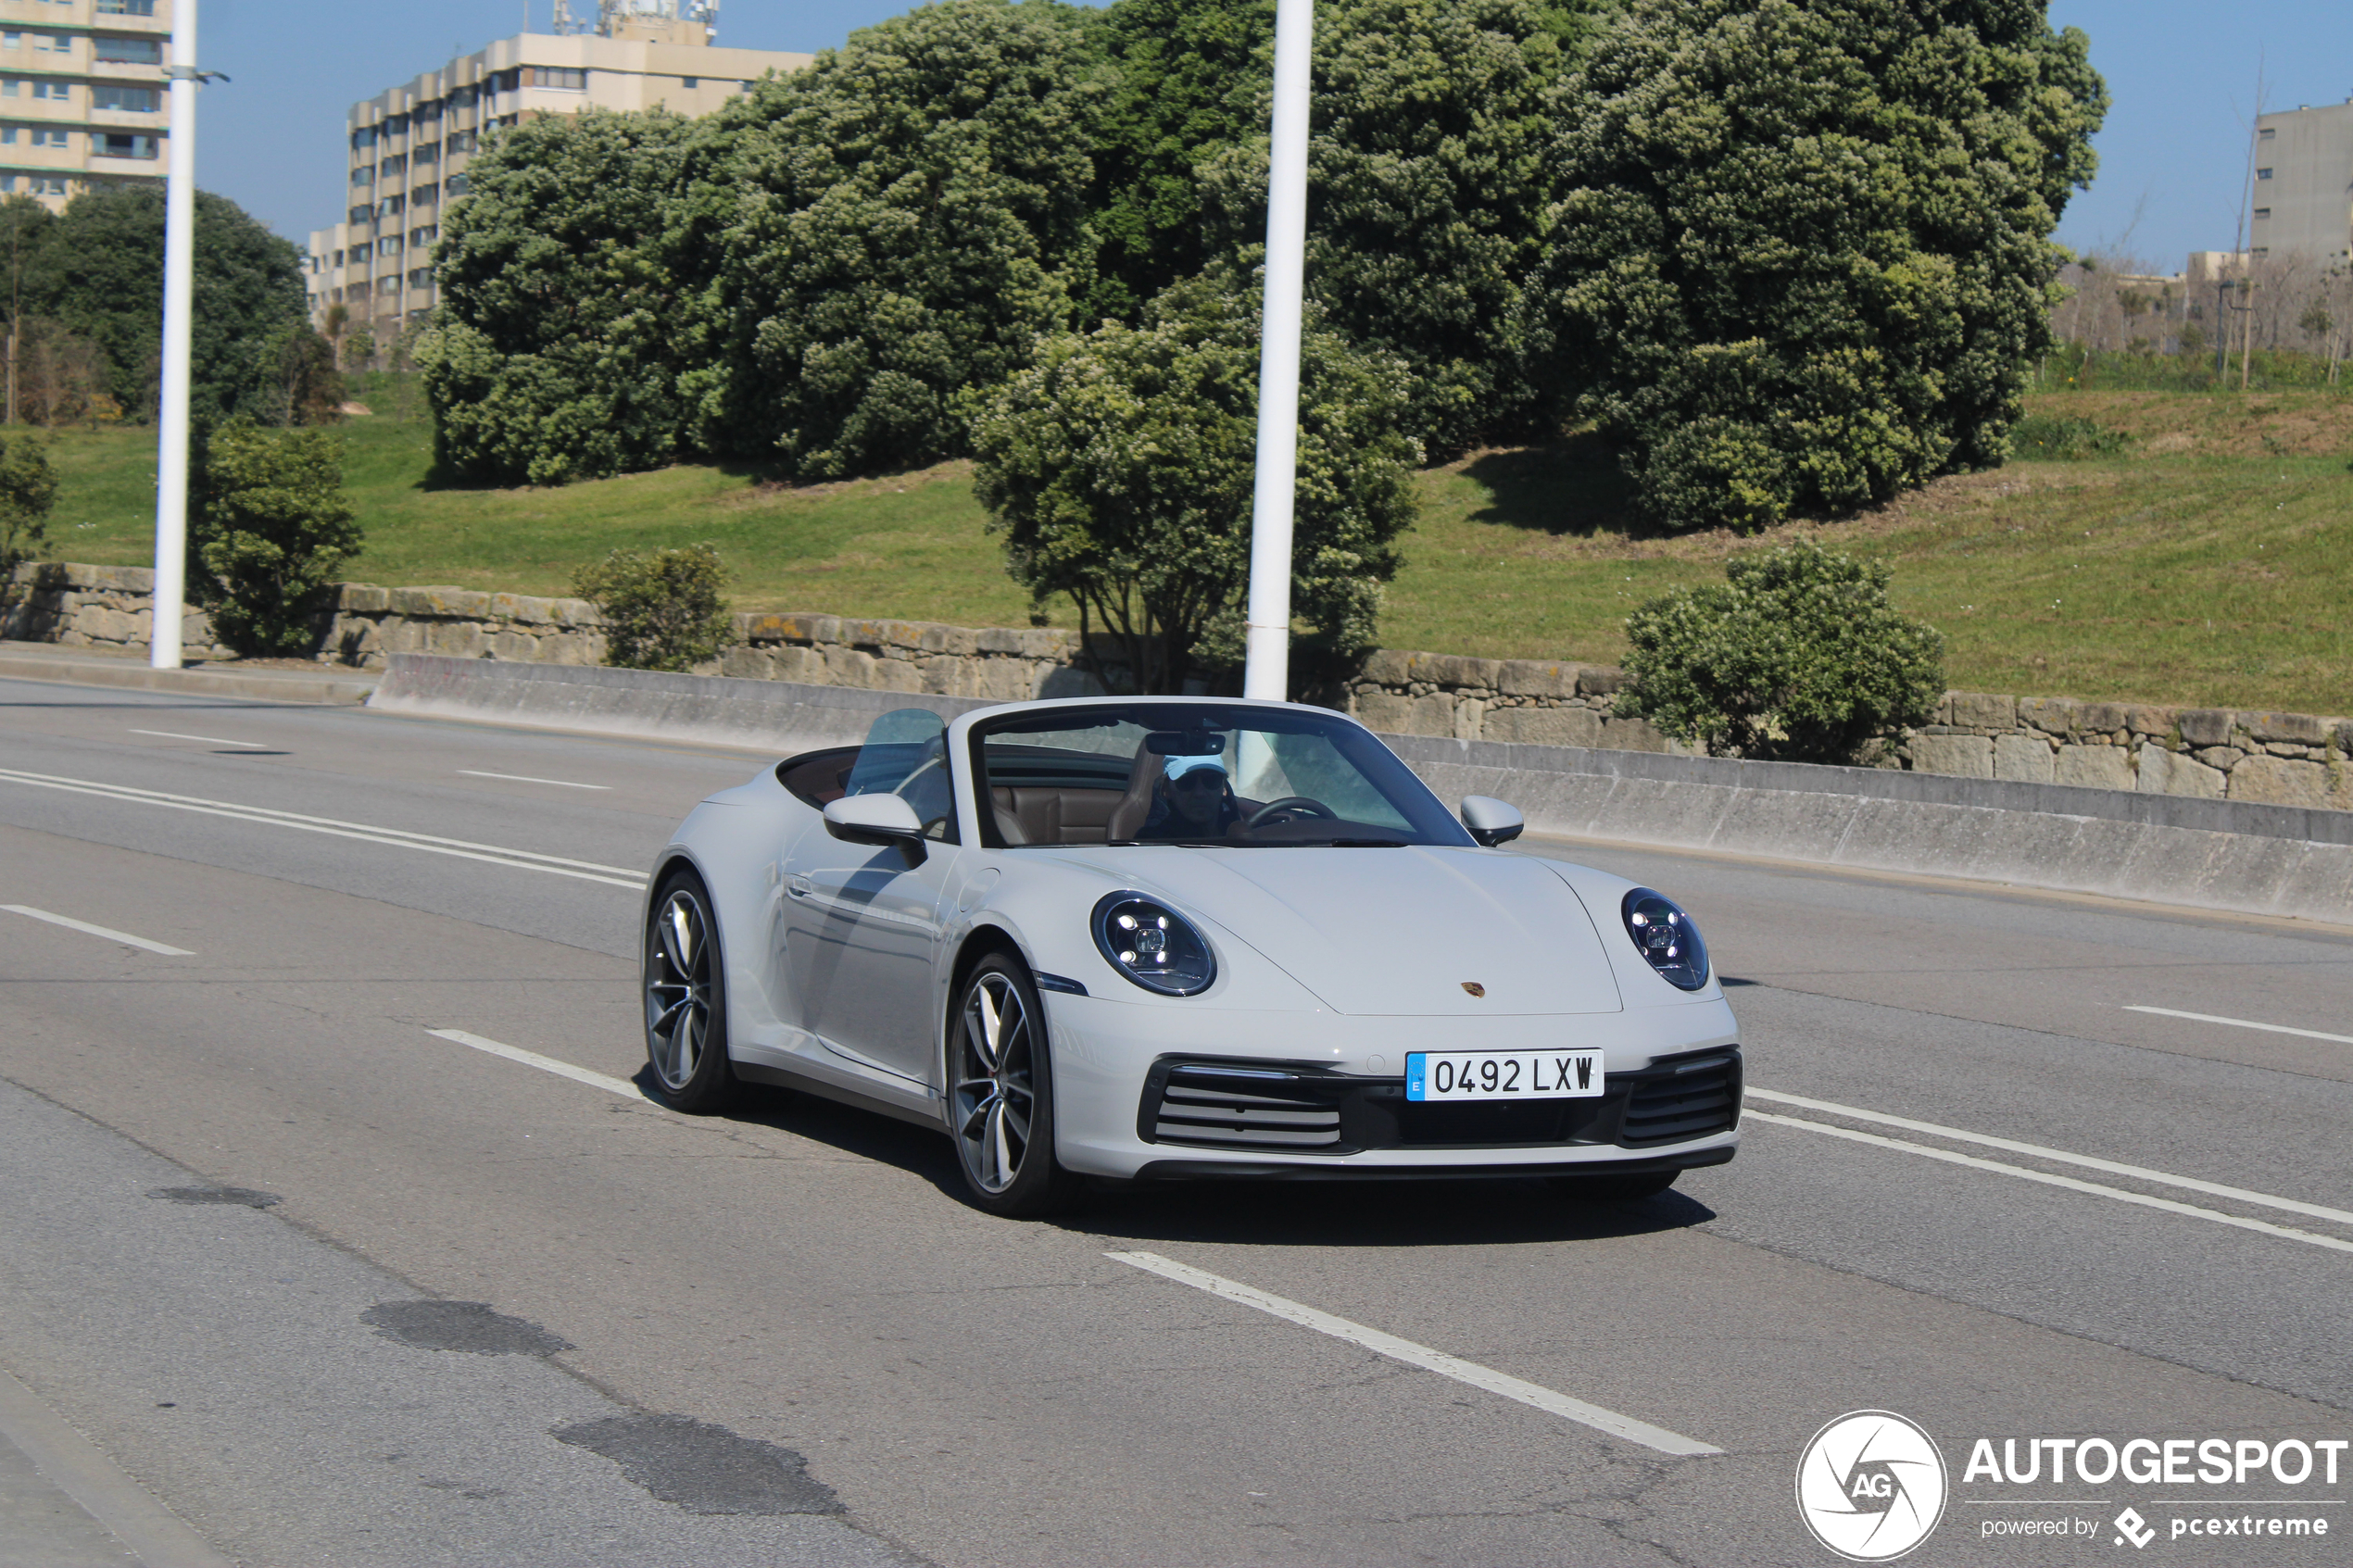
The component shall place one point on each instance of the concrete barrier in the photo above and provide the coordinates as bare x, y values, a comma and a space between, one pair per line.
2169, 850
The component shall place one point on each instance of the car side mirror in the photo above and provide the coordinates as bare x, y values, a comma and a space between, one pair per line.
877, 819
1492, 822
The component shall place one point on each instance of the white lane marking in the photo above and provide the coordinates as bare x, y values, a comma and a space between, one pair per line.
526, 778
2050, 1179
545, 1063
107, 931
2090, 1162
2244, 1023
209, 740
1421, 1355
399, 838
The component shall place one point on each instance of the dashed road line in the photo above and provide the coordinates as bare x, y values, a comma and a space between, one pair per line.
108, 932
595, 1080
2244, 1023
1421, 1355
2038, 1151
209, 740
2050, 1178
525, 778
397, 838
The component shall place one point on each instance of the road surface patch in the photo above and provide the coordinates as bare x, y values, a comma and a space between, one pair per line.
469, 1326
245, 1197
704, 1468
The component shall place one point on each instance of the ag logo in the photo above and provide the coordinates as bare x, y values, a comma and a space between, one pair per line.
1870, 1485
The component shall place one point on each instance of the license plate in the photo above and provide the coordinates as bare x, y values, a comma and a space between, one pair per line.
1459, 1075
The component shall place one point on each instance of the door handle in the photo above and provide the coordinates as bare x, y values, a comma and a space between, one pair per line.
800, 886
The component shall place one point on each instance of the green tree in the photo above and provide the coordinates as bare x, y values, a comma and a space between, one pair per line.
662, 610
556, 348
1428, 197
273, 526
1192, 82
911, 218
1798, 656
106, 258
1119, 470
27, 489
1802, 256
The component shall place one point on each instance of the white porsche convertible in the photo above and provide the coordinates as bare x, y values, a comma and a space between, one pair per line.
1155, 938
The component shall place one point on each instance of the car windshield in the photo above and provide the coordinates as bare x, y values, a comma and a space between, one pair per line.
1198, 774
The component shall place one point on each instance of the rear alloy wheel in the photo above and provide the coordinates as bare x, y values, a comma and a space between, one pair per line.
686, 1001
1001, 1093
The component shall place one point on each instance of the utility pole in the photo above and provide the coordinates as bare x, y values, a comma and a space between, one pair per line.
179, 273
1267, 668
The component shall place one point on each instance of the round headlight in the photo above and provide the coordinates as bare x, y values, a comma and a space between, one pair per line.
1152, 945
1664, 936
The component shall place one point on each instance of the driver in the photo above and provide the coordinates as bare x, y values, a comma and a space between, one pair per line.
1194, 801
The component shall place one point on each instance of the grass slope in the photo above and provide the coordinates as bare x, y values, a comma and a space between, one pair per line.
2207, 563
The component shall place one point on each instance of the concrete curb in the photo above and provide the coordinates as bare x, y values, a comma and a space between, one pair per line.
2168, 849
271, 686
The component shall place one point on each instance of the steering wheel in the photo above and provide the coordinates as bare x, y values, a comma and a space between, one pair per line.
1299, 803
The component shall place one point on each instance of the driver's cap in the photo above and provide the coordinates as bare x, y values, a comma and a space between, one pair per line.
1179, 766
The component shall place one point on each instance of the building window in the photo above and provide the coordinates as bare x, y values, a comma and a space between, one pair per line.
2262, 174
387, 285
2267, 133
363, 176
124, 144
2261, 213
422, 278
424, 195
424, 112
424, 235
363, 138
569, 78
126, 7
129, 100
56, 91
389, 205
131, 51
60, 140
429, 152
11, 39
690, 82
2262, 250
52, 43
397, 125
464, 141
506, 80
396, 164
388, 246
456, 185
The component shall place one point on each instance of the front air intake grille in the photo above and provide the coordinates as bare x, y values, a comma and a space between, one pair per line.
1231, 1109
1679, 1100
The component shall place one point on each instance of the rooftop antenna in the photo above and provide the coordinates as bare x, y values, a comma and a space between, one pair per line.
611, 16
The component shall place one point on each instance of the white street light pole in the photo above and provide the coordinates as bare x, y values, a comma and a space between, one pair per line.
178, 271
1266, 671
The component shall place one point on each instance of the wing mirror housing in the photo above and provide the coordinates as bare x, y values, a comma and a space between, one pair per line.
1492, 822
877, 819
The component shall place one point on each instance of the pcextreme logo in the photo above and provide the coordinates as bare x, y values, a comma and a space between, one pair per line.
1872, 1485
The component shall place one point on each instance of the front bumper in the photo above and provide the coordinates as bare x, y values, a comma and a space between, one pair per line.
1133, 1104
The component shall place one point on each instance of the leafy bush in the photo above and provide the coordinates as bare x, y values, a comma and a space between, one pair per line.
1802, 256
27, 489
2048, 436
662, 610
1119, 469
273, 527
1798, 658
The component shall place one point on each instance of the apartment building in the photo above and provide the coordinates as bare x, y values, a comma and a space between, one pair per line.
410, 145
82, 95
2304, 182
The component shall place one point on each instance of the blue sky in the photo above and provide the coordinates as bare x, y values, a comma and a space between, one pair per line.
2173, 158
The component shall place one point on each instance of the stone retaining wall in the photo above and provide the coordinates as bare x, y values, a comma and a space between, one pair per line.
2271, 758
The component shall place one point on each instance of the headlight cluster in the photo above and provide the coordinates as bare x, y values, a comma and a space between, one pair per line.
1666, 937
1152, 945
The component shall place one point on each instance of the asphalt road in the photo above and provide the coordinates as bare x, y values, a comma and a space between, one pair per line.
1977, 1188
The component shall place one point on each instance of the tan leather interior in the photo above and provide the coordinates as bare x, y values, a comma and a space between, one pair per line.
1054, 816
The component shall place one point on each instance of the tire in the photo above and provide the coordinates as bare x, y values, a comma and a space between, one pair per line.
1000, 1094
685, 994
1630, 1188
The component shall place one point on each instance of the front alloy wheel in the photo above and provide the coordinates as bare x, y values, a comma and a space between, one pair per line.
1001, 1093
686, 1001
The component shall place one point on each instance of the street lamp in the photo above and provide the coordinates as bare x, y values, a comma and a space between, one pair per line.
1266, 667
179, 270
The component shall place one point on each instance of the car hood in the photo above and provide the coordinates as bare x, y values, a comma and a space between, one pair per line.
1395, 930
